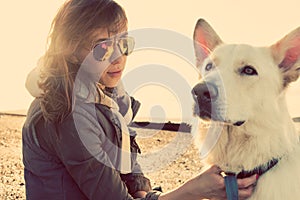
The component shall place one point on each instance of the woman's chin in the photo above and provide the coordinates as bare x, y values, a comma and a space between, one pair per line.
111, 79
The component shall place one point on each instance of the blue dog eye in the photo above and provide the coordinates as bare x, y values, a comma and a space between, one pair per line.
248, 70
209, 66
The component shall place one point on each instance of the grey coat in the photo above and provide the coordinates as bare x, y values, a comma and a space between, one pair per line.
77, 159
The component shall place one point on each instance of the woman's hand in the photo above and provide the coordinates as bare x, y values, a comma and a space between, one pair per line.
210, 184
139, 194
246, 186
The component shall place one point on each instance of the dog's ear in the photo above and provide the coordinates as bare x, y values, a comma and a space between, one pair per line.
205, 40
286, 53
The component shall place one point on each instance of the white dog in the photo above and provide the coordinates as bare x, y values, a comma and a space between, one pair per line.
243, 88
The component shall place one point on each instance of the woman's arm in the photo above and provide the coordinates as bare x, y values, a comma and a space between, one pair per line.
80, 149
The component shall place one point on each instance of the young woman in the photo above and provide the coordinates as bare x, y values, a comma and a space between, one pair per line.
76, 142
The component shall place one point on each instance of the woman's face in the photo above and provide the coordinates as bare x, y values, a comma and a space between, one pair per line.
113, 65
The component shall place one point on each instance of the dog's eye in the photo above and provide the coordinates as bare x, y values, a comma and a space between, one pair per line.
208, 67
248, 70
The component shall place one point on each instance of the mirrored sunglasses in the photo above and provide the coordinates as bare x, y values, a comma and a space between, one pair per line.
103, 50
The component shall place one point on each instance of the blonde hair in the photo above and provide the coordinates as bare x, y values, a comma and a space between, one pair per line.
73, 26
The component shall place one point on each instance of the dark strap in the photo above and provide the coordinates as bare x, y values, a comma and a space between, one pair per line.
260, 170
231, 186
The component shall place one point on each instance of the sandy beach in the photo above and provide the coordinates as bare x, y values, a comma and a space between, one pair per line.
168, 158
12, 185
176, 158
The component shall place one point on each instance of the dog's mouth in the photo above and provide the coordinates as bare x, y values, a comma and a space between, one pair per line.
205, 113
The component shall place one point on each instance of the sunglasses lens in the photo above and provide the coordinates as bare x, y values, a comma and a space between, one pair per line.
102, 50
126, 45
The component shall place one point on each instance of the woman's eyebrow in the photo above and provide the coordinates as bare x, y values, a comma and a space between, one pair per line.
124, 34
103, 39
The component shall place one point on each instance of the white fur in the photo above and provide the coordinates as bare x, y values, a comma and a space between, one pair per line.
268, 131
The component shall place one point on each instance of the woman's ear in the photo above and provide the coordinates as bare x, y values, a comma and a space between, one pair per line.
205, 40
286, 54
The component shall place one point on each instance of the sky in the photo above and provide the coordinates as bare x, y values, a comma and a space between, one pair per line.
25, 26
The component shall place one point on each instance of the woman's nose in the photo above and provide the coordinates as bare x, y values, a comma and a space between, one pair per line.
117, 56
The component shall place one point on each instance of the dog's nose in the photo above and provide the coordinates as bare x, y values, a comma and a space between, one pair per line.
206, 92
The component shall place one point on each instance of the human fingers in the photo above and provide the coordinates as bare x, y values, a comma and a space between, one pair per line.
245, 193
215, 169
246, 182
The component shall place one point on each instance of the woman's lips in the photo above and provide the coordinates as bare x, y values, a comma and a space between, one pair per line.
115, 73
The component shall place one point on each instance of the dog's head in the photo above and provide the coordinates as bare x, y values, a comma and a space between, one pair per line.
240, 81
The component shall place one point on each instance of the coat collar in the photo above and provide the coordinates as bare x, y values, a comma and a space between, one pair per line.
95, 92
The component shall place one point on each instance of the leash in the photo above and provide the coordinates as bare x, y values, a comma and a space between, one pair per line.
231, 185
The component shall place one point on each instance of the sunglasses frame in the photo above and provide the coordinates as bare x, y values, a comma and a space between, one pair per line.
115, 43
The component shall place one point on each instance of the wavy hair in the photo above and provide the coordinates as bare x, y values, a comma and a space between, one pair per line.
72, 27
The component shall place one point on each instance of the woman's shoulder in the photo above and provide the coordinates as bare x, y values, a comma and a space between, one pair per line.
34, 112
89, 114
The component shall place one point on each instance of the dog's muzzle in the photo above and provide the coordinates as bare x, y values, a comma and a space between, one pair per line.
204, 94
